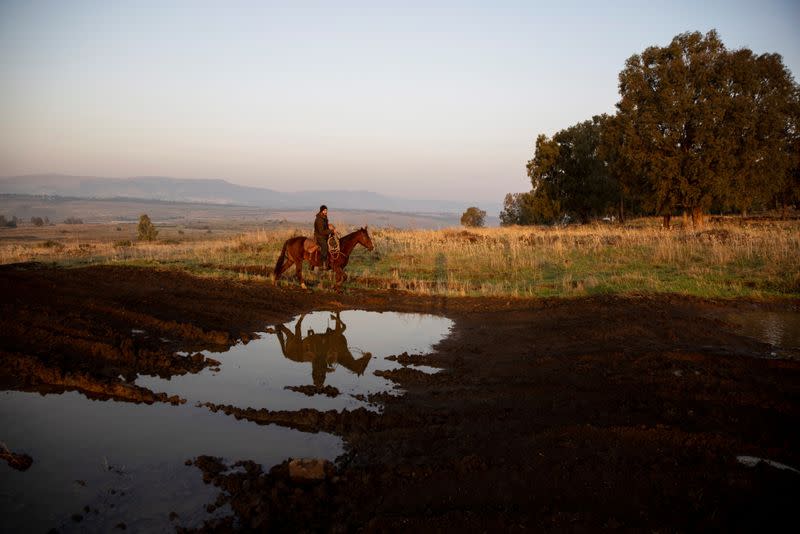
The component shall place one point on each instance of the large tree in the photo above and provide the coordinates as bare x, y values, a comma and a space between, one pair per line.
761, 127
569, 170
700, 124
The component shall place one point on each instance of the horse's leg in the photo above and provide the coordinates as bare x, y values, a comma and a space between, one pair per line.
299, 265
288, 263
338, 277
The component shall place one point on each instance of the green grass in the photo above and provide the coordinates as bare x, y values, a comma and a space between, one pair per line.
751, 262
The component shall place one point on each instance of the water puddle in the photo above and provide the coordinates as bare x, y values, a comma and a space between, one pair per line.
98, 464
780, 329
317, 355
753, 461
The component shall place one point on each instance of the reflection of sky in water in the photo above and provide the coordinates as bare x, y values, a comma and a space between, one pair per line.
781, 329
255, 374
72, 438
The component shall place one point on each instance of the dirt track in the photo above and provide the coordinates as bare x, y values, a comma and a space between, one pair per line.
558, 415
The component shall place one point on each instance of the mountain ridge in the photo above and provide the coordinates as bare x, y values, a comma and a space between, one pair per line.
220, 191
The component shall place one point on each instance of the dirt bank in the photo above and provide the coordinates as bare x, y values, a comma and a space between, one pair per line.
554, 415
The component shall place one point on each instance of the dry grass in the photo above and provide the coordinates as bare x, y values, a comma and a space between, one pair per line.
728, 259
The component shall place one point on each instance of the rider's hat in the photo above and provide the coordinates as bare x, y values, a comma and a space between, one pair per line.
323, 207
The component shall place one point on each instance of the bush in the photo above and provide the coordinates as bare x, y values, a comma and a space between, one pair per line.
8, 223
73, 220
147, 231
37, 221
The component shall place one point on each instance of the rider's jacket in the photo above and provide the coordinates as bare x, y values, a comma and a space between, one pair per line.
321, 226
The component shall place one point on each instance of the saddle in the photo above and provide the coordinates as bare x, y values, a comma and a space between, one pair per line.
310, 246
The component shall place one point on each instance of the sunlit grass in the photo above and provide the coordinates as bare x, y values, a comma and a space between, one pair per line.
728, 259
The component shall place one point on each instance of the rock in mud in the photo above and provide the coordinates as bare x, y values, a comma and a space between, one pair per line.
20, 462
305, 469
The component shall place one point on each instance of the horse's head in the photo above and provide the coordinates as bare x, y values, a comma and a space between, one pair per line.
365, 239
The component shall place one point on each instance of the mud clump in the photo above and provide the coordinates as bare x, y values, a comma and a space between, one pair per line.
405, 359
277, 501
18, 461
311, 390
405, 374
83, 329
307, 419
27, 373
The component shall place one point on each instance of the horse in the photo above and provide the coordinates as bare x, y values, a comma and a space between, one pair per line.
321, 350
299, 249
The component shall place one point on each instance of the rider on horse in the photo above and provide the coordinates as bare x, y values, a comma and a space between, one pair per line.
322, 230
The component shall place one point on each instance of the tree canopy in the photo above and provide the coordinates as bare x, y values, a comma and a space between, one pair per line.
697, 127
701, 124
568, 169
473, 217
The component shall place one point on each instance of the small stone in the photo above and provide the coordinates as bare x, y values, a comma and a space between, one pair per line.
307, 469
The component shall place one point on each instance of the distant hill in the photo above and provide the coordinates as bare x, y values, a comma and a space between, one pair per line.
222, 192
127, 210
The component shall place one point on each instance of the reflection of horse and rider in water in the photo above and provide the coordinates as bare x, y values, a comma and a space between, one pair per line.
322, 350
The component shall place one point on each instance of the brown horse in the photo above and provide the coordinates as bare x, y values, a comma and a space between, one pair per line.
321, 350
299, 249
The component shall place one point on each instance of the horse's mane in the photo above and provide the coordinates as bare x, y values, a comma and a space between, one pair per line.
351, 234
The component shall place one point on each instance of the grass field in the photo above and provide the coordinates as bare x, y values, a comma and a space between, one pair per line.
729, 258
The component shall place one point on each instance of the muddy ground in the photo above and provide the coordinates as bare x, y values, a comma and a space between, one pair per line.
553, 415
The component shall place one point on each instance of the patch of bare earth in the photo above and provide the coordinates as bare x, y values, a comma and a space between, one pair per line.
579, 415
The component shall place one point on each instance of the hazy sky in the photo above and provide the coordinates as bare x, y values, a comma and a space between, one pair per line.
427, 100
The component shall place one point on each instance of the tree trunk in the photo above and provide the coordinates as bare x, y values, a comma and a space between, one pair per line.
621, 209
698, 218
685, 216
667, 217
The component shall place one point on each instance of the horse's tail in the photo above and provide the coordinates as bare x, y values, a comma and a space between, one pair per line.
279, 264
